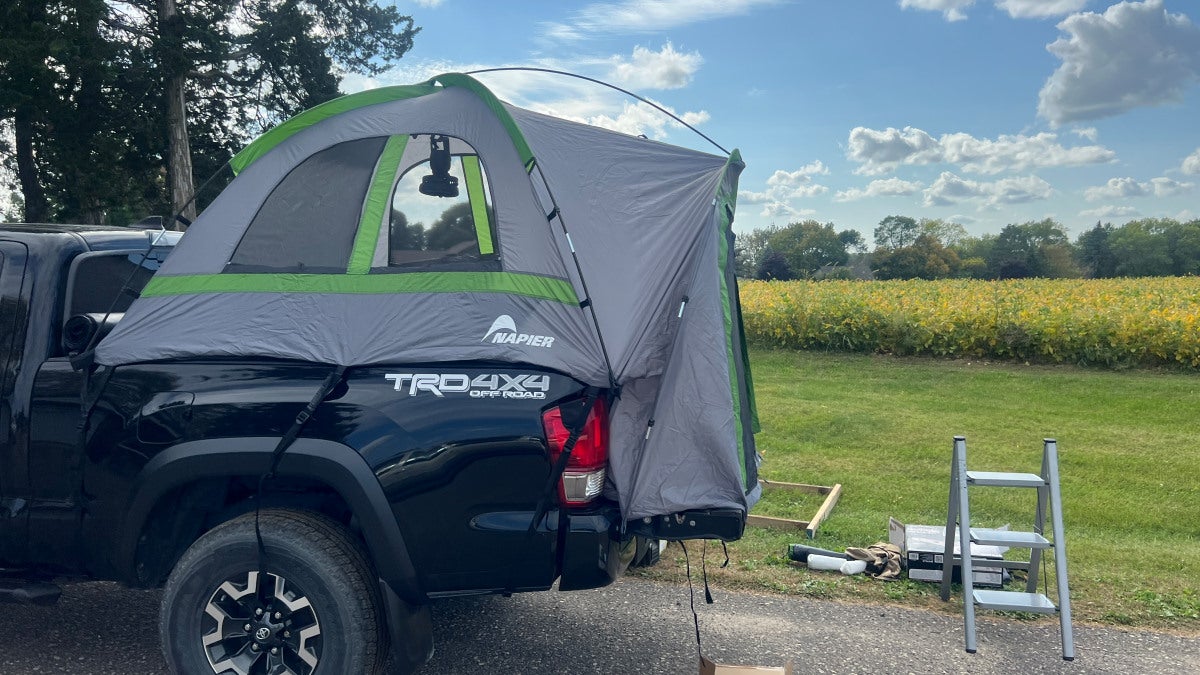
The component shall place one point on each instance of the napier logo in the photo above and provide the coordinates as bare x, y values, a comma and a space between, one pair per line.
504, 332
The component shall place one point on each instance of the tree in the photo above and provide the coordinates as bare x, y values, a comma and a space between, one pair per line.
405, 237
948, 233
926, 258
853, 241
808, 246
774, 267
100, 94
1094, 253
26, 81
1032, 249
453, 227
1184, 239
896, 232
974, 252
749, 250
1142, 249
253, 61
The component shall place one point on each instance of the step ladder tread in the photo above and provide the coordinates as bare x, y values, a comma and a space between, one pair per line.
1014, 601
987, 537
1005, 479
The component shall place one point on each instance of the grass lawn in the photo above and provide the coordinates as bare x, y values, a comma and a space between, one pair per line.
1129, 456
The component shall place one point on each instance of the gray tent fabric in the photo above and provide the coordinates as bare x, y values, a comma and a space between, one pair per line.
611, 254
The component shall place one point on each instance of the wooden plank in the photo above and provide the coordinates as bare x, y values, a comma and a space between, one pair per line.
831, 500
831, 492
777, 523
798, 487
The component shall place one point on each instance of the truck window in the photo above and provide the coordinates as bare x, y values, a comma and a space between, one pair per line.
96, 280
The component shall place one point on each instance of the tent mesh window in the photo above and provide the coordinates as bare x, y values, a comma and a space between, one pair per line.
308, 222
444, 232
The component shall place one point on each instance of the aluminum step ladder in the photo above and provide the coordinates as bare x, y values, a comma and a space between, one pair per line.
959, 514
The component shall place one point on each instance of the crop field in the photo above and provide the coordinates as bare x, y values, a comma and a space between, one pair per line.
1107, 322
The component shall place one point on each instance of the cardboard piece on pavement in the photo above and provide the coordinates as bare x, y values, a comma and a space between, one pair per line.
707, 667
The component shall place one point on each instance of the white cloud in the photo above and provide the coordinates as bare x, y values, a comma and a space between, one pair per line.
643, 120
1018, 153
748, 197
1191, 164
1169, 187
783, 210
644, 16
649, 69
1086, 133
951, 189
1123, 188
955, 10
785, 186
1039, 9
962, 220
429, 3
951, 9
564, 97
1117, 188
1110, 212
884, 187
882, 151
1134, 54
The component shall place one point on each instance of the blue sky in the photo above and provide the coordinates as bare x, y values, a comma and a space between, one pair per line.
985, 112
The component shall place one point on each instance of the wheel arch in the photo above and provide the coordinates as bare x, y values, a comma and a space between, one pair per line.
329, 463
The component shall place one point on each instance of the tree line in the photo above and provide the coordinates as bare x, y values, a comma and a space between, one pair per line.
907, 248
108, 109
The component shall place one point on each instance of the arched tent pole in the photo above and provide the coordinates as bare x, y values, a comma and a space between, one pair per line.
602, 83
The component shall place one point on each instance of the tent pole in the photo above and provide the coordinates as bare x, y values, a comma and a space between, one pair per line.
587, 296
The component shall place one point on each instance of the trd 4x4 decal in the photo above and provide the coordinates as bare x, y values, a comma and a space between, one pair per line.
495, 385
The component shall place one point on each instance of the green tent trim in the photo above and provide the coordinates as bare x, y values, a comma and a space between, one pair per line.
267, 142
725, 202
473, 175
376, 205
510, 125
528, 285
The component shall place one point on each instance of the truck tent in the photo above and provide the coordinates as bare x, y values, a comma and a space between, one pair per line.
434, 223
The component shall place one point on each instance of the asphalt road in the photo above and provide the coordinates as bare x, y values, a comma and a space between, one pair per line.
634, 626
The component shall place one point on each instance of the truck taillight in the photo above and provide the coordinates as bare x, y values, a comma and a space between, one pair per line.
583, 479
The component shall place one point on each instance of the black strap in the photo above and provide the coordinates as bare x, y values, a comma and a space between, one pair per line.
691, 597
708, 598
574, 416
332, 380
89, 397
578, 414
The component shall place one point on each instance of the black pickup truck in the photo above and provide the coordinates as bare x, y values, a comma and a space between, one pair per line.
386, 499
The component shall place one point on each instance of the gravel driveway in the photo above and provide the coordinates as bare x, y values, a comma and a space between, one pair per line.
634, 626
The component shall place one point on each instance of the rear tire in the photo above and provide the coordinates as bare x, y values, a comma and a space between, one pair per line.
319, 606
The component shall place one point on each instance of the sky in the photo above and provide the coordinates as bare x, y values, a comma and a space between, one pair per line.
983, 112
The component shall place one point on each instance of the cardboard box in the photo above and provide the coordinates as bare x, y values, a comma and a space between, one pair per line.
923, 547
707, 667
